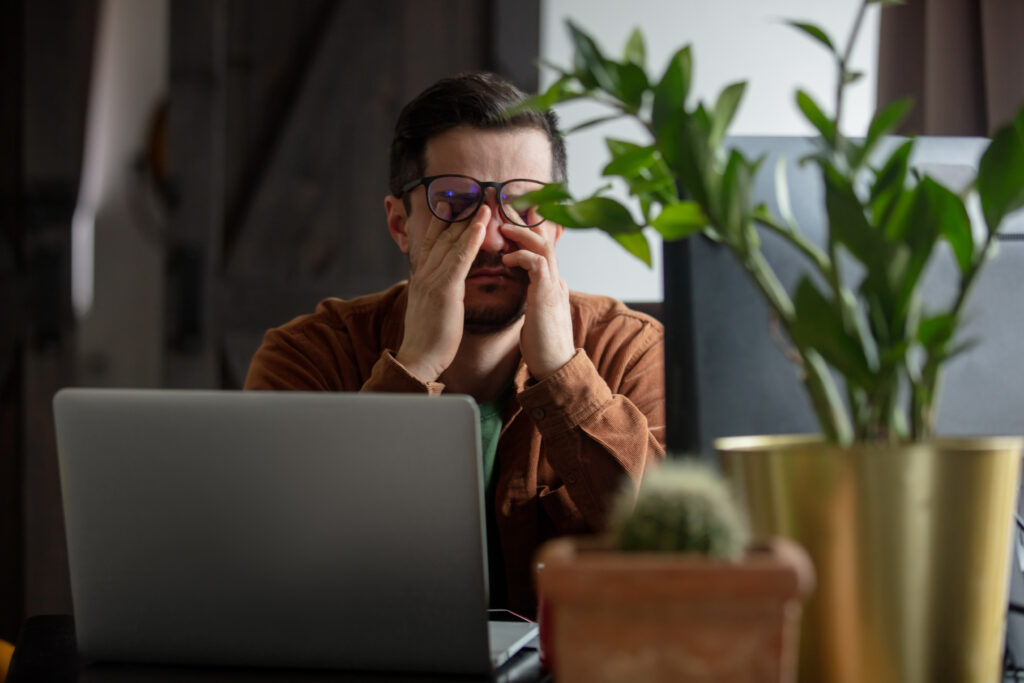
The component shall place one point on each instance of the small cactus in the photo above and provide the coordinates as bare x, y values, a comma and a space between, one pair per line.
681, 506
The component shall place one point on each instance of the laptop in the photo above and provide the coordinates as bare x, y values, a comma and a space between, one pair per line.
284, 529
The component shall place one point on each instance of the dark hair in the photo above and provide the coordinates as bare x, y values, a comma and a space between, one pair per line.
468, 99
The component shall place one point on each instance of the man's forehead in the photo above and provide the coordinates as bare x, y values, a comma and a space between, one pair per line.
490, 154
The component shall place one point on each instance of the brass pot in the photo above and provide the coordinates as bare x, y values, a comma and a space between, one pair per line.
910, 543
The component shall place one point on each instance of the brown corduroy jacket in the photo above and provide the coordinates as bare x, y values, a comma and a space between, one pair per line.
567, 442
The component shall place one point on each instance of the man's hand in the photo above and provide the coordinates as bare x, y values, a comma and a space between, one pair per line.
546, 341
435, 314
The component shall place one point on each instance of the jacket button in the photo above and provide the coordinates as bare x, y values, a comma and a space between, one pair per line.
570, 478
537, 413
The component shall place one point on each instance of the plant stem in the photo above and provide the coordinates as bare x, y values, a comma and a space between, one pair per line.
839, 157
843, 61
821, 386
825, 399
811, 250
923, 393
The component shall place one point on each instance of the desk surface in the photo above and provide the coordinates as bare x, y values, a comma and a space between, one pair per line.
46, 653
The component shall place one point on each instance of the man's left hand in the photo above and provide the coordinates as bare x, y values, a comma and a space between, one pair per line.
546, 341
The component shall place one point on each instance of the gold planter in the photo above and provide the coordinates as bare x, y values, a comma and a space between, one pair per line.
910, 544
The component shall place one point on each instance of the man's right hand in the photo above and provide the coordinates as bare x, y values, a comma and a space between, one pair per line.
435, 314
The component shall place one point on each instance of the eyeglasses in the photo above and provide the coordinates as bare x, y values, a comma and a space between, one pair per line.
464, 195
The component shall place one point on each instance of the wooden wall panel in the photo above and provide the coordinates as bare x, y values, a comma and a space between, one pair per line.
11, 321
269, 48
196, 163
298, 132
59, 45
45, 64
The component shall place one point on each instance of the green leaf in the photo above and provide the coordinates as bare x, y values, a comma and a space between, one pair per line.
734, 196
590, 123
687, 153
635, 52
636, 244
629, 162
815, 32
601, 212
847, 222
883, 122
618, 147
557, 68
725, 109
817, 118
818, 324
677, 221
671, 91
935, 332
564, 89
1000, 180
852, 77
890, 184
782, 194
913, 232
559, 213
857, 316
632, 84
652, 181
663, 186
645, 208
550, 193
591, 66
947, 210
701, 121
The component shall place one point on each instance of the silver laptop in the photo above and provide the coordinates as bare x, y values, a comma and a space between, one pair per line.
289, 529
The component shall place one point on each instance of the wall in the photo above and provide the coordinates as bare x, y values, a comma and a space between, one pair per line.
117, 251
732, 40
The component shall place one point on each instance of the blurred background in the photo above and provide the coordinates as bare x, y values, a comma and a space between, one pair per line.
177, 176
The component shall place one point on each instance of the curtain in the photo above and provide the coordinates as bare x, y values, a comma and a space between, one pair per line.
962, 61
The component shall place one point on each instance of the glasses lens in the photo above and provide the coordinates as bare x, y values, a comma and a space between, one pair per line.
510, 193
460, 195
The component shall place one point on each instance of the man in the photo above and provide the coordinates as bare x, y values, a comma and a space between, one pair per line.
570, 386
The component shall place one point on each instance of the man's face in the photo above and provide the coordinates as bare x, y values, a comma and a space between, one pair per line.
495, 294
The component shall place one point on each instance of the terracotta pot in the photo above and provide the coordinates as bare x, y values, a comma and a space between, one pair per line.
614, 616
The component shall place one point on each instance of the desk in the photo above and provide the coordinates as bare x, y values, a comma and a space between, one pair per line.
46, 653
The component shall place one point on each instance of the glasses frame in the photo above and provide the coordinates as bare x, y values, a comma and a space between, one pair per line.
426, 180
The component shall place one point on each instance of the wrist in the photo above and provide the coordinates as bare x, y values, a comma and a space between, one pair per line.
551, 366
417, 367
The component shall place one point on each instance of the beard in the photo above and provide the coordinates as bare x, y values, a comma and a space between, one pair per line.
492, 318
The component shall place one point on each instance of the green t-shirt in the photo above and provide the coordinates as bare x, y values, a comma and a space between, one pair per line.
490, 429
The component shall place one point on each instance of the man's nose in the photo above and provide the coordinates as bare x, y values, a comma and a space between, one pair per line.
494, 241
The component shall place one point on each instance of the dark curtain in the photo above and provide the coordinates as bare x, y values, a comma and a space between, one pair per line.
961, 60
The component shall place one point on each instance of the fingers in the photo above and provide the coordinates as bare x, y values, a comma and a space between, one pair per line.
436, 227
534, 264
535, 250
528, 238
447, 245
460, 255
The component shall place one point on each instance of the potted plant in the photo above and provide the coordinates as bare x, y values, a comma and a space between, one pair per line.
908, 532
674, 592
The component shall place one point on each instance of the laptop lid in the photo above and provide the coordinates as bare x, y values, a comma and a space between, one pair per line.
278, 529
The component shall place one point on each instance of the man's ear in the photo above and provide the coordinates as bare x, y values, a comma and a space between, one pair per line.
397, 219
